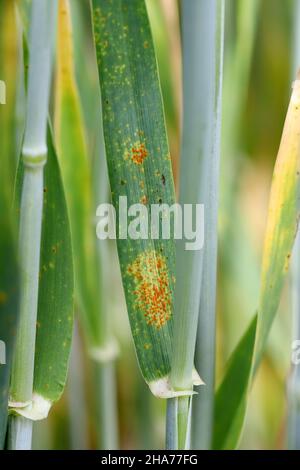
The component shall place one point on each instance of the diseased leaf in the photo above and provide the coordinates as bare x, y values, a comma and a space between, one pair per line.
139, 168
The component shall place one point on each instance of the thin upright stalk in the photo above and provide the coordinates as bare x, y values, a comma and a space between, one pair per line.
199, 157
105, 380
171, 424
203, 402
34, 156
77, 396
105, 370
107, 423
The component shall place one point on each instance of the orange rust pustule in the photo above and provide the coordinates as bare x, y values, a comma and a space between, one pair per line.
139, 153
152, 290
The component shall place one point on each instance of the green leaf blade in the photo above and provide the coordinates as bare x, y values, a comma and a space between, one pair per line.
231, 396
139, 168
55, 305
56, 290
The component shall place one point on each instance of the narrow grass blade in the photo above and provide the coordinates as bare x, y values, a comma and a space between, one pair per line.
230, 399
9, 275
139, 168
282, 223
56, 287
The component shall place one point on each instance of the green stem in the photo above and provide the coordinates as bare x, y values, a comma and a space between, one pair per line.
77, 397
178, 423
202, 76
105, 371
183, 417
106, 405
34, 154
203, 402
20, 433
171, 424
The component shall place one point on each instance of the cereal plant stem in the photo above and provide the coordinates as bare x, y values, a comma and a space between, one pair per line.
34, 155
211, 84
107, 427
202, 77
20, 433
171, 424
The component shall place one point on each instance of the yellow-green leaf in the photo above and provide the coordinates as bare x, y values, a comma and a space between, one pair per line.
282, 223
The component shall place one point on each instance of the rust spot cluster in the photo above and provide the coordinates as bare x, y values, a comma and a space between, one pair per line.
152, 289
138, 153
